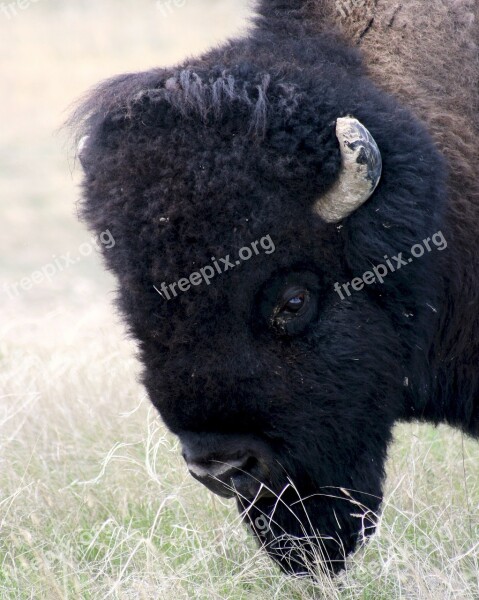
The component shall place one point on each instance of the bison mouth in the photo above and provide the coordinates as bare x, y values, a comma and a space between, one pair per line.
303, 533
302, 525
307, 534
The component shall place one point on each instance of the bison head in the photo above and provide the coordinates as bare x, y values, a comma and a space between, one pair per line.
282, 393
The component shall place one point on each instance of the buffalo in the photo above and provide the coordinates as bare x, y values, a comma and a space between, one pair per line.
295, 216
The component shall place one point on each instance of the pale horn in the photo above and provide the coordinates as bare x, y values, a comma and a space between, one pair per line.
81, 146
359, 175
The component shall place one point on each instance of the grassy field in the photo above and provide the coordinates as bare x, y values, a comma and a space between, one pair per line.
95, 501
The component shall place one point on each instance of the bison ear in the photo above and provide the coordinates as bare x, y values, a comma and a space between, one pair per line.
359, 175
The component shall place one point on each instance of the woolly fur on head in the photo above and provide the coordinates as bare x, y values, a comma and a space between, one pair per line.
196, 161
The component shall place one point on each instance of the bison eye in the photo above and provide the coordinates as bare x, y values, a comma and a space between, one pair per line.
295, 303
288, 303
293, 312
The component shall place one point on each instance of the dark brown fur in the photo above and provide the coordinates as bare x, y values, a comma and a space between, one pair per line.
426, 53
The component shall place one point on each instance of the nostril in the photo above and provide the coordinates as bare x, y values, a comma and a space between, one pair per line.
216, 468
229, 465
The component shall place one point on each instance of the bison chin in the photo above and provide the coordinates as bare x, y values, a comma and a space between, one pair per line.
307, 534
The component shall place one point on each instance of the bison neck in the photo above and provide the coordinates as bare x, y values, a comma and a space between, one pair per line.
406, 54
425, 55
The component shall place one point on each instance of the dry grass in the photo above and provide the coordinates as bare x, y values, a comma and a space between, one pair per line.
94, 500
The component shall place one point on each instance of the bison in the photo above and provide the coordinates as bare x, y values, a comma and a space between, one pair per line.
294, 215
